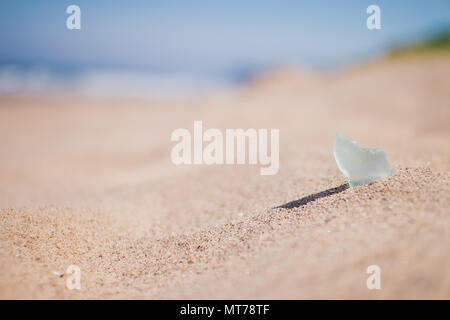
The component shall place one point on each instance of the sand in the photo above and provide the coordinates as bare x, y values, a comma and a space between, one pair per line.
89, 182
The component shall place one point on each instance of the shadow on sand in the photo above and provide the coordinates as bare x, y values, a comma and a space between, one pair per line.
313, 197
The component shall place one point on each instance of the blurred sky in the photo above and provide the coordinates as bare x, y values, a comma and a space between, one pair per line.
222, 37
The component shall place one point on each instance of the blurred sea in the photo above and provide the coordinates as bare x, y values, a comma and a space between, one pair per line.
113, 82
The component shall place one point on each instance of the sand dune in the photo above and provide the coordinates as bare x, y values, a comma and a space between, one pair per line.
90, 182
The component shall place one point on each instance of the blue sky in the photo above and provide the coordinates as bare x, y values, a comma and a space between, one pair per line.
207, 36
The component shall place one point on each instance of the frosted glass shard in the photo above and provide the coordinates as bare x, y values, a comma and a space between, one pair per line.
358, 164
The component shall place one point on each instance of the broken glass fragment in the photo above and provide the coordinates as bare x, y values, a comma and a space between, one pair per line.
358, 164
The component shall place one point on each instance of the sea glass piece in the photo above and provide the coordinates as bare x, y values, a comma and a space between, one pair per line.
358, 164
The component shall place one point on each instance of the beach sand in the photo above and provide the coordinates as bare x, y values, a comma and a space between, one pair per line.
89, 182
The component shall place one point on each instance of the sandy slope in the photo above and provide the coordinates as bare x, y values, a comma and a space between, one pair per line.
90, 183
